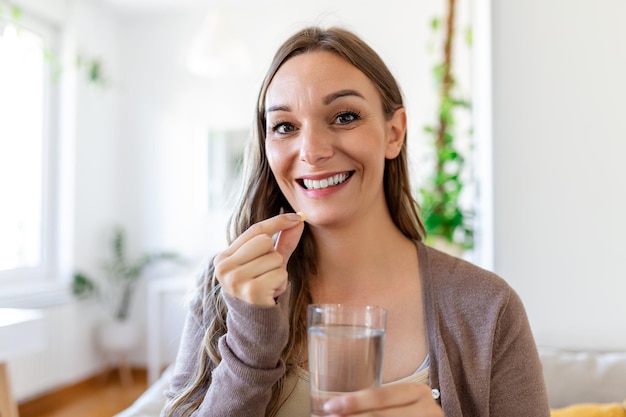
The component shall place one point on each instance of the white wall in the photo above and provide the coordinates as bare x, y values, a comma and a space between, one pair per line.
559, 143
98, 145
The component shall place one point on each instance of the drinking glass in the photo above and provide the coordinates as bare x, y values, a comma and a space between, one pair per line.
345, 350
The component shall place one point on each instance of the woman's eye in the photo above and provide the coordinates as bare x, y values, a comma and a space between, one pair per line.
347, 117
283, 128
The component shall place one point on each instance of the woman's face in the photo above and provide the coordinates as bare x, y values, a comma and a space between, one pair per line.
327, 138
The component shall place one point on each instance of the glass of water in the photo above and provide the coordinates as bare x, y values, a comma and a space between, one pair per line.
345, 350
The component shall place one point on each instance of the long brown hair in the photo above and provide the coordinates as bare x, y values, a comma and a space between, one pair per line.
261, 198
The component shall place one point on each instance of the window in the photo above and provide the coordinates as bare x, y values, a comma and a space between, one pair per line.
27, 147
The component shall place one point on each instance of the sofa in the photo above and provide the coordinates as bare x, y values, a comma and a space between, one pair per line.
580, 384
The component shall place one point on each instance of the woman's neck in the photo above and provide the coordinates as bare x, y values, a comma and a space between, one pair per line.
359, 260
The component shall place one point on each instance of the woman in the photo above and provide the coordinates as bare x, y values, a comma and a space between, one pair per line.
331, 143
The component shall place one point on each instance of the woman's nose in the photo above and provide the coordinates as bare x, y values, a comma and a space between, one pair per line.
316, 145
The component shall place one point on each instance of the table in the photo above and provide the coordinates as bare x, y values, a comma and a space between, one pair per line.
21, 332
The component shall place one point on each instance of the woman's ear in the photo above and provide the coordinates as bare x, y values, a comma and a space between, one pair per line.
396, 130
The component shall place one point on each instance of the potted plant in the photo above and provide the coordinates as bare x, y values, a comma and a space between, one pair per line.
448, 224
116, 291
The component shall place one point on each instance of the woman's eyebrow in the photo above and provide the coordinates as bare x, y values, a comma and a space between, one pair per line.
342, 93
327, 100
277, 108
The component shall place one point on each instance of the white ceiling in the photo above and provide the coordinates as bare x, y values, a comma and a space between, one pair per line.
145, 5
152, 5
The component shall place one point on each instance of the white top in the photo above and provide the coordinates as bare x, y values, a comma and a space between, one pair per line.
296, 395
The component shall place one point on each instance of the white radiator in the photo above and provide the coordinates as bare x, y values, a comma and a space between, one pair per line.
167, 308
68, 354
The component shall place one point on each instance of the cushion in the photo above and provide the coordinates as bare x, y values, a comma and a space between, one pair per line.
591, 410
583, 377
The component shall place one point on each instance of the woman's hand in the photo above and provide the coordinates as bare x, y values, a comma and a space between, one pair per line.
252, 268
401, 400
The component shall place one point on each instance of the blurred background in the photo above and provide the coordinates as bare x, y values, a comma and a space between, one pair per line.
149, 103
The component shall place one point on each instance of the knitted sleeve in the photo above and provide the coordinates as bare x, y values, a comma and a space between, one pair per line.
241, 384
517, 384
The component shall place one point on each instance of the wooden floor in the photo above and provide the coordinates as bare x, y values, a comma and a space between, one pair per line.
100, 396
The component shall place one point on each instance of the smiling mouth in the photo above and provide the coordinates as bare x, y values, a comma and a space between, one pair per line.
326, 182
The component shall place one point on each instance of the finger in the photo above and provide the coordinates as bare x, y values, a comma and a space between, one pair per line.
257, 282
257, 267
232, 269
281, 288
256, 242
388, 396
288, 241
418, 409
263, 289
268, 227
254, 248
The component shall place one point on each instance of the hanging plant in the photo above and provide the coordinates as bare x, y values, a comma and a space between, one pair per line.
443, 216
91, 68
10, 11
93, 71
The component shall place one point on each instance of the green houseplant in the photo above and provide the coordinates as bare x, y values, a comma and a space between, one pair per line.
121, 276
447, 223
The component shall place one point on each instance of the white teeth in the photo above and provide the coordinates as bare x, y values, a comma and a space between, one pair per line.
326, 182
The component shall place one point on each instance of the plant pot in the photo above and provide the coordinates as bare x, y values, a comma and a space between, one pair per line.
117, 336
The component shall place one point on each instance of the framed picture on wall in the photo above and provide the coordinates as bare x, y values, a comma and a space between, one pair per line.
225, 162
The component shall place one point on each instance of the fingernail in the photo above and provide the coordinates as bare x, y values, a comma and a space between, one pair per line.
332, 406
302, 215
294, 217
